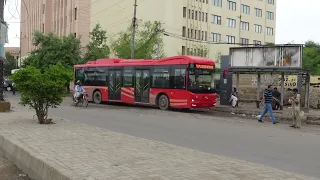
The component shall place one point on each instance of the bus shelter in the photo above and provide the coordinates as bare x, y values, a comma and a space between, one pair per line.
275, 60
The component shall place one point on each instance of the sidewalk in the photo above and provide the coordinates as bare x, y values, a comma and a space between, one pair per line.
312, 116
69, 150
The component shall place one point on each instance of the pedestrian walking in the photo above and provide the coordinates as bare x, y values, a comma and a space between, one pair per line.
296, 112
267, 98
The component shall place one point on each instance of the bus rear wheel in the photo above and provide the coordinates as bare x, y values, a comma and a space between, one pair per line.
163, 102
97, 97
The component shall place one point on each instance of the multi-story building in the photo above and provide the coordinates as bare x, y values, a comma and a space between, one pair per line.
194, 26
58, 16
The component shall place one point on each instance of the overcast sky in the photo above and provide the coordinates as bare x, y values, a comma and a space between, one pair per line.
297, 21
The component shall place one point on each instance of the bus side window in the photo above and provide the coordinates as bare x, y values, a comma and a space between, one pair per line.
128, 78
160, 77
101, 77
179, 78
80, 75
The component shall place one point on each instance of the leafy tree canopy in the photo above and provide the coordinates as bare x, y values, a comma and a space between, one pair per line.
311, 57
148, 37
41, 89
97, 47
11, 64
51, 50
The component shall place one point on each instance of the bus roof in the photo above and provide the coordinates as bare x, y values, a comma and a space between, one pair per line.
175, 60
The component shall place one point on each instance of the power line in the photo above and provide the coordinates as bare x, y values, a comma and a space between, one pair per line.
205, 42
27, 12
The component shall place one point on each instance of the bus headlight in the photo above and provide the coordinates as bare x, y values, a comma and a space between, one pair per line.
192, 100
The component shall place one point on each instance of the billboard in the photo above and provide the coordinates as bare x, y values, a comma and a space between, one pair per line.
289, 56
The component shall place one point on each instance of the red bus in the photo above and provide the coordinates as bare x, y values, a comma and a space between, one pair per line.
178, 82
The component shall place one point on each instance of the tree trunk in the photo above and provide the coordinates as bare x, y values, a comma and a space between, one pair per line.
42, 115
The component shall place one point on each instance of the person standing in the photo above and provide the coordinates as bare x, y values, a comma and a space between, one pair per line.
295, 101
267, 98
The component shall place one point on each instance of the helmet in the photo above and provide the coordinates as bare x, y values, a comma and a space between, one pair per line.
78, 82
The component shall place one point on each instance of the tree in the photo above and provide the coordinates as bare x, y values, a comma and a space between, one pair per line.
148, 41
311, 57
41, 90
97, 47
52, 50
10, 64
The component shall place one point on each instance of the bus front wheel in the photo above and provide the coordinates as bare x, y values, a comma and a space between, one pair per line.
97, 97
163, 102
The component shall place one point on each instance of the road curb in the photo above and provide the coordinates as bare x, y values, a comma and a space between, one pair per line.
29, 162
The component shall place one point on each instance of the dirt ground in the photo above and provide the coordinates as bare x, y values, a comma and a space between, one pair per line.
9, 171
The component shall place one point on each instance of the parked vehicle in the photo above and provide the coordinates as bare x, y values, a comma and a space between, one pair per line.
179, 82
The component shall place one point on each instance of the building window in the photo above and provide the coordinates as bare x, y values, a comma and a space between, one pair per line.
256, 42
258, 12
257, 28
216, 37
43, 27
191, 33
270, 15
75, 13
43, 8
183, 31
192, 14
269, 31
271, 2
244, 41
245, 9
160, 77
231, 23
199, 16
206, 17
188, 35
217, 3
195, 34
202, 16
231, 39
75, 34
183, 50
244, 26
202, 35
196, 15
216, 19
205, 35
189, 13
232, 5
184, 13
199, 35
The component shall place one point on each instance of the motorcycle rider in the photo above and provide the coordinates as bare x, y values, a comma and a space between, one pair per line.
79, 91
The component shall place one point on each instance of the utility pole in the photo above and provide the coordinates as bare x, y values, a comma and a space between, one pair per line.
134, 27
20, 51
2, 59
158, 34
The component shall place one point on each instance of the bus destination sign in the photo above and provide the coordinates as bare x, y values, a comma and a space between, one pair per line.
202, 66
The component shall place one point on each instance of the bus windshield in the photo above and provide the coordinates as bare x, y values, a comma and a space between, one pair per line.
201, 81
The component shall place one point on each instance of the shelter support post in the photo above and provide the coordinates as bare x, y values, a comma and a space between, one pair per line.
282, 91
258, 90
307, 93
238, 81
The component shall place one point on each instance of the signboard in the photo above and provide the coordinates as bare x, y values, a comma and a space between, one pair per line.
289, 56
200, 66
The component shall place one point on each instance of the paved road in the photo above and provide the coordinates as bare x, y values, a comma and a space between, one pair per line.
273, 145
8, 171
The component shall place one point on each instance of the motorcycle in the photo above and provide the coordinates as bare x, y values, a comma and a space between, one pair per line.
82, 99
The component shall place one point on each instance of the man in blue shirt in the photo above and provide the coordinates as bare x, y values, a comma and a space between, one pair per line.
267, 98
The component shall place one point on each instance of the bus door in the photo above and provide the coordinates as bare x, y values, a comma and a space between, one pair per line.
114, 85
142, 86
